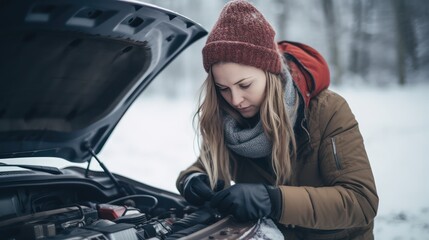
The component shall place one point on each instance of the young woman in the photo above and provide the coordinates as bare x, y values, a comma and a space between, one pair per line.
268, 122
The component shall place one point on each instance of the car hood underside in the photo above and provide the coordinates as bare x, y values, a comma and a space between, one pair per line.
70, 69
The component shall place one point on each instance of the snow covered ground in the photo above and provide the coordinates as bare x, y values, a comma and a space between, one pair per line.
155, 140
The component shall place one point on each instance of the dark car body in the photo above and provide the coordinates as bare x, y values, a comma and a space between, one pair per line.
69, 70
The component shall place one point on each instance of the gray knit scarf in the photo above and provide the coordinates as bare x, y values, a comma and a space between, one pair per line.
252, 142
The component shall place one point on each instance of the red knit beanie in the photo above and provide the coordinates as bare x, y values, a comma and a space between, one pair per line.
242, 35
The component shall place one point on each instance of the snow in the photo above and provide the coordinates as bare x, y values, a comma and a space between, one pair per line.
155, 141
394, 123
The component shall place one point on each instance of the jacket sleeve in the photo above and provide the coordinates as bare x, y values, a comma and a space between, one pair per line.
195, 167
348, 198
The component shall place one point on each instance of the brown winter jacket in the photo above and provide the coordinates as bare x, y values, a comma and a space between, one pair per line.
332, 194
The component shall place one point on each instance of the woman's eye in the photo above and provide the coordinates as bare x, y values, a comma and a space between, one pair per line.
245, 86
222, 89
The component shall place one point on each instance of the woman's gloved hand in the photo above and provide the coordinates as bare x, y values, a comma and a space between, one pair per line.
196, 188
249, 201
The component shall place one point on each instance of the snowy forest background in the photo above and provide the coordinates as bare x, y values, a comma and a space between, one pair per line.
367, 41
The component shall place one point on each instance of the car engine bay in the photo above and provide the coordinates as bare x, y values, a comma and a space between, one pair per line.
71, 207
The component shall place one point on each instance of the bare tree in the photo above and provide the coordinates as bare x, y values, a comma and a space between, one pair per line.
282, 17
423, 29
332, 36
359, 56
406, 38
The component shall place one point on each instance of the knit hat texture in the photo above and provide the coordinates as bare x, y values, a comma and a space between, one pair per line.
242, 35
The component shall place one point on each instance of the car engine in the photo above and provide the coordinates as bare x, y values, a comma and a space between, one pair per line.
46, 207
118, 219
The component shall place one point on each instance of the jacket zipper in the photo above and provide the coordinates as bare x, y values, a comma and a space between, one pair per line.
336, 157
305, 129
301, 149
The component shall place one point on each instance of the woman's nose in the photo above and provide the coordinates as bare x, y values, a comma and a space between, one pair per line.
236, 98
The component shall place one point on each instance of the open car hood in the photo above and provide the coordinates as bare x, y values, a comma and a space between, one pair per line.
70, 69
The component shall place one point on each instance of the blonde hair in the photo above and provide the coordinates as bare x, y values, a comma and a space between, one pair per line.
214, 154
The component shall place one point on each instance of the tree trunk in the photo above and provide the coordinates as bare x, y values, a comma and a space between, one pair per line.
329, 12
360, 44
356, 47
282, 19
406, 45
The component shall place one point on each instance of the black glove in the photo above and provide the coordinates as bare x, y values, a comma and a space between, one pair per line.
197, 191
249, 201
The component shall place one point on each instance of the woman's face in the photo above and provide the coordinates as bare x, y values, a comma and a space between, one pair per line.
243, 87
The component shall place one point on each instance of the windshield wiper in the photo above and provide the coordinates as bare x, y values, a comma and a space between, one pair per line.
51, 170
